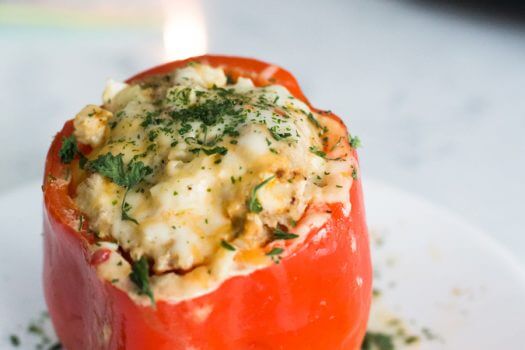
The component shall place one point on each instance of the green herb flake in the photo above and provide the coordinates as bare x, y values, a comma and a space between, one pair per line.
125, 208
109, 166
313, 120
140, 276
113, 168
35, 328
80, 222
216, 150
277, 135
82, 160
150, 120
317, 152
280, 234
354, 141
377, 341
227, 245
275, 251
15, 341
253, 203
411, 339
354, 173
68, 150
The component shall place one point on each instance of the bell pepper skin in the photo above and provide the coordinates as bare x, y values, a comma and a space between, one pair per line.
318, 297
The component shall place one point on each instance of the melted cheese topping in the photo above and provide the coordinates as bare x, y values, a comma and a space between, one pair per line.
228, 166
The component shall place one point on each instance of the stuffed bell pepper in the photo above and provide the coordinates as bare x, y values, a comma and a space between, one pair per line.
205, 204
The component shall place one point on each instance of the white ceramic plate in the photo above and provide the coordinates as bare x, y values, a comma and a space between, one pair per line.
436, 272
433, 271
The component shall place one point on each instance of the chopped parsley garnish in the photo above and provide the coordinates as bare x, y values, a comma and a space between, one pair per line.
113, 168
317, 152
15, 341
35, 328
377, 341
411, 339
212, 111
216, 150
253, 203
82, 160
180, 96
275, 251
321, 154
150, 119
140, 276
80, 222
280, 234
314, 121
152, 135
68, 150
128, 176
227, 245
277, 135
184, 129
354, 173
354, 141
38, 329
125, 208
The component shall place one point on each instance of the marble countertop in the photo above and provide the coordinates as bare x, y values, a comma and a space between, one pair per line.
437, 97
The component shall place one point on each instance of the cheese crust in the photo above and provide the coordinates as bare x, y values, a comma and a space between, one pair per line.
232, 173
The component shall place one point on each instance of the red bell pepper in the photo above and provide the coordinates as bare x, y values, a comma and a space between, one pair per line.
318, 297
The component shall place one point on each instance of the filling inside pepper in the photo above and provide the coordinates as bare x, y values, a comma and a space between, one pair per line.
198, 177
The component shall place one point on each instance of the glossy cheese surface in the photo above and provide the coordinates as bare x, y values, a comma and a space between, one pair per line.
234, 171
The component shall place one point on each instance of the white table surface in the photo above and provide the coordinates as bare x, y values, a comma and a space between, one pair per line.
437, 97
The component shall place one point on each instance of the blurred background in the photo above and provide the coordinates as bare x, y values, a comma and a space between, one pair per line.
435, 89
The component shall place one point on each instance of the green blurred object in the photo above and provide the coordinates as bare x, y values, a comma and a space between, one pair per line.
94, 16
